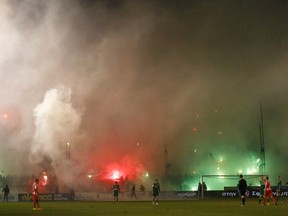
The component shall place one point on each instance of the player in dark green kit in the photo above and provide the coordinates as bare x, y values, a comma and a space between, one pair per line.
262, 187
116, 190
278, 188
155, 192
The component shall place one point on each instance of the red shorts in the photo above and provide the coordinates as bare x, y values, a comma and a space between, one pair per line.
268, 192
35, 197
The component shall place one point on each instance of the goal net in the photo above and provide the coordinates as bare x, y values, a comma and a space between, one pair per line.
222, 182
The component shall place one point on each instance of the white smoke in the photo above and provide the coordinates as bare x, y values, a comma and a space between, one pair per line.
56, 124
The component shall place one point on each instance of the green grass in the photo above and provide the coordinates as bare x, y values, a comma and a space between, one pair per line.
229, 207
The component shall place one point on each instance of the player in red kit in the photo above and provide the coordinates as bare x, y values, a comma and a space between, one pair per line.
268, 192
35, 195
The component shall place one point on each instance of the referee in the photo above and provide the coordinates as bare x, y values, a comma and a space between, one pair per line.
242, 185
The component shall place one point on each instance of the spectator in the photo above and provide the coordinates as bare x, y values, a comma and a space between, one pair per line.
6, 192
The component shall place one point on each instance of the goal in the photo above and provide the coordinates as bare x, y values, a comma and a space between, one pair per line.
222, 182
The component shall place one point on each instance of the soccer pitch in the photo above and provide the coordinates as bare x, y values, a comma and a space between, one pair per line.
138, 208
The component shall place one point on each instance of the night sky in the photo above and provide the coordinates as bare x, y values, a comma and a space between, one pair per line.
117, 78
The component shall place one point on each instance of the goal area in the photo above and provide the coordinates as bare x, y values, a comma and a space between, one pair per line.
225, 182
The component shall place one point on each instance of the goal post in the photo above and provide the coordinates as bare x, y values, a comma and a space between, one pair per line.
220, 182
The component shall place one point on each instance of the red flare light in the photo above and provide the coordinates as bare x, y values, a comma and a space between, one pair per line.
5, 115
116, 175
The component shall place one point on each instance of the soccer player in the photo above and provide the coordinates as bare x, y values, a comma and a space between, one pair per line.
268, 192
262, 187
242, 185
278, 189
116, 190
155, 192
36, 205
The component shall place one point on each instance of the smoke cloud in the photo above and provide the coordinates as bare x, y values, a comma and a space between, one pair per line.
56, 121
